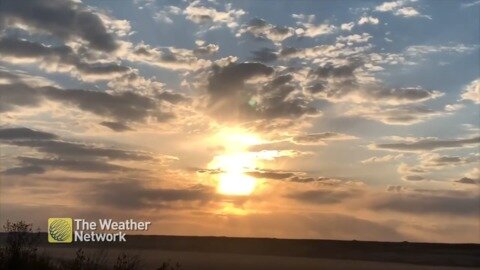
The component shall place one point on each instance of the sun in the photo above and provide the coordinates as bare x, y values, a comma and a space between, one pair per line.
235, 162
236, 184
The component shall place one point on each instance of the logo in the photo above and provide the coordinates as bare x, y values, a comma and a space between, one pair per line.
60, 230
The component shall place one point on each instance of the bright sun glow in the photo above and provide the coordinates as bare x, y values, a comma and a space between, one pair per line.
235, 162
236, 184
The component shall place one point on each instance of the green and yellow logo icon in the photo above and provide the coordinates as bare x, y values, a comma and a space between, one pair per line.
60, 230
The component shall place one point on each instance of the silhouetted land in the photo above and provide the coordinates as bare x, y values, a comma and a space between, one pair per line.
466, 255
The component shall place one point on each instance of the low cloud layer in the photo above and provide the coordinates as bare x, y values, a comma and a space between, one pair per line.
427, 144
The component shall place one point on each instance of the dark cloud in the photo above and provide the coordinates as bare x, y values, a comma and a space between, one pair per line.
330, 70
467, 180
78, 150
132, 194
337, 81
321, 196
427, 144
25, 133
289, 51
257, 23
125, 106
18, 94
297, 177
265, 55
61, 56
259, 29
276, 98
445, 161
301, 179
170, 57
227, 90
414, 177
116, 126
316, 87
24, 170
39, 165
172, 97
271, 174
405, 94
64, 155
316, 138
229, 80
397, 114
64, 19
430, 202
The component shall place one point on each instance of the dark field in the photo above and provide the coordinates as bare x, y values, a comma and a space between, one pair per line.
266, 253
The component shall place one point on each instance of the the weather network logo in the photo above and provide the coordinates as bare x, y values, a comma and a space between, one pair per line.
60, 230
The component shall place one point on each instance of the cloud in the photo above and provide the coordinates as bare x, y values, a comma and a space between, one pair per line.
320, 138
392, 96
420, 50
64, 155
466, 180
205, 50
133, 194
226, 81
260, 29
396, 115
347, 80
471, 4
309, 29
322, 196
229, 90
368, 20
430, 162
116, 126
24, 170
472, 92
172, 58
212, 17
67, 20
440, 161
25, 133
49, 143
398, 8
31, 165
472, 177
347, 26
125, 106
79, 150
423, 202
331, 70
386, 158
356, 38
426, 145
265, 55
474, 173
288, 176
163, 16
271, 174
390, 6
57, 59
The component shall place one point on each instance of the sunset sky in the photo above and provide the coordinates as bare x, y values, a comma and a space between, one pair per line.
290, 119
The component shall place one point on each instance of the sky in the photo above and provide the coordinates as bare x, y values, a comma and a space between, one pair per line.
288, 119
